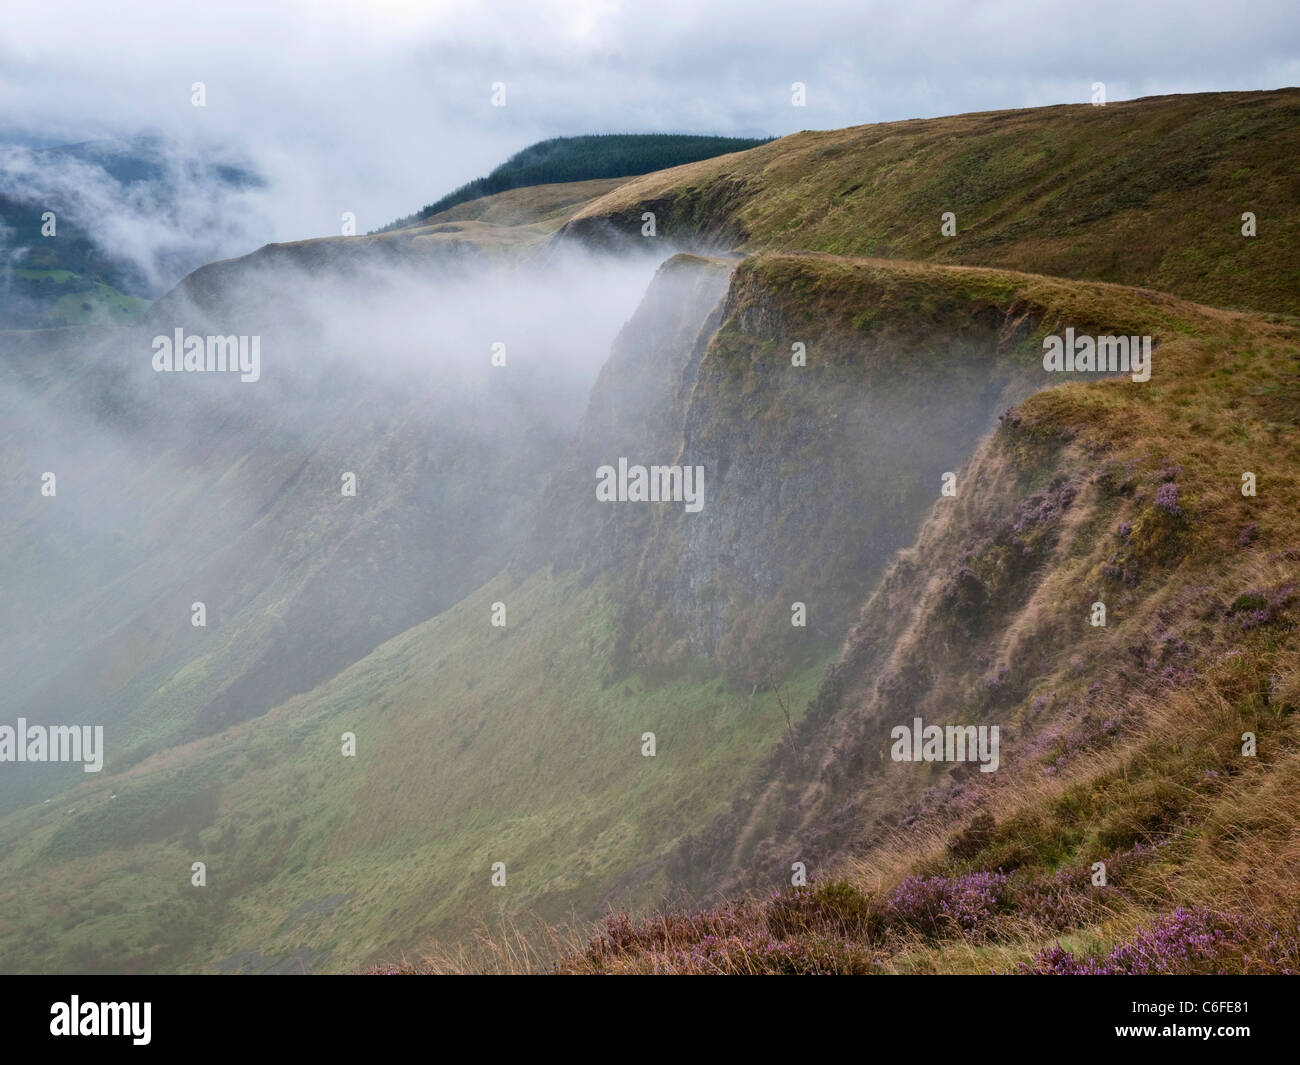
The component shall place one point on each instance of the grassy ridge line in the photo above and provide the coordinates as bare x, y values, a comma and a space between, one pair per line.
537, 205
504, 228
1146, 192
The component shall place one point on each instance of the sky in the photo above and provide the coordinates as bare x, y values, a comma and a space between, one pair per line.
379, 107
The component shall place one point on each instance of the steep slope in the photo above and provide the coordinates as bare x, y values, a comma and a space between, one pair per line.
1157, 743
989, 613
904, 365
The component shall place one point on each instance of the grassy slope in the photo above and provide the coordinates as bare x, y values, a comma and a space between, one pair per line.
60, 307
465, 757
1147, 192
532, 206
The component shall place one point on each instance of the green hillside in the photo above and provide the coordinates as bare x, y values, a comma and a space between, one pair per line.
465, 756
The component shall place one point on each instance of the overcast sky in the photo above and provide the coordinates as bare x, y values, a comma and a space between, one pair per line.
381, 106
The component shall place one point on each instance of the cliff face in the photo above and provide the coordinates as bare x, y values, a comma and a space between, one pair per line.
634, 412
1113, 493
824, 416
824, 399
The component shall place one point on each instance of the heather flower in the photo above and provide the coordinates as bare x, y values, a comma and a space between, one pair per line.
1081, 728
938, 905
1189, 941
1167, 499
996, 678
1260, 607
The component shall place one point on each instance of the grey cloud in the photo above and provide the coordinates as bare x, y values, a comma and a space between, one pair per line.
380, 107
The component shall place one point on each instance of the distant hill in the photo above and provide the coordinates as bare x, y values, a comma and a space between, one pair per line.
603, 155
83, 271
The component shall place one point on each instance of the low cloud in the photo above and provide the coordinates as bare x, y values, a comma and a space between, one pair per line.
149, 207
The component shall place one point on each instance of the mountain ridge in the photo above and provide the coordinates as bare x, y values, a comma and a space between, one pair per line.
520, 743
